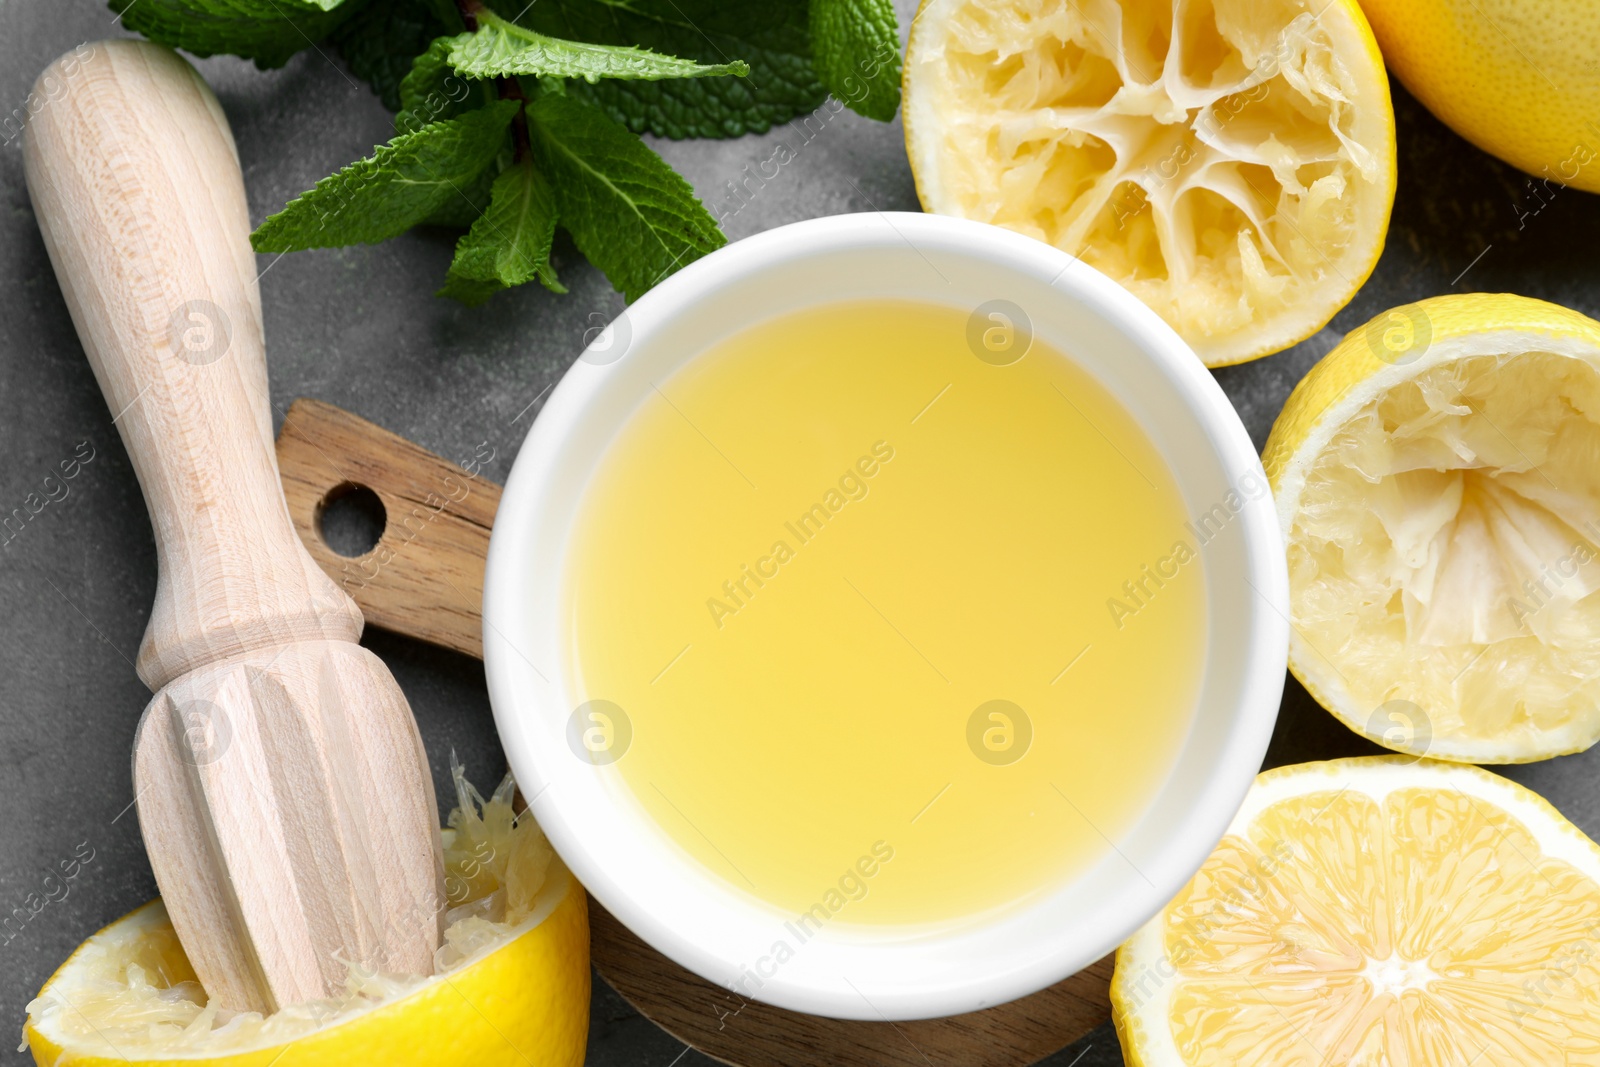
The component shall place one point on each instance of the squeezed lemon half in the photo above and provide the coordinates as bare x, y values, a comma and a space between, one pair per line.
1435, 479
1374, 911
1231, 162
511, 981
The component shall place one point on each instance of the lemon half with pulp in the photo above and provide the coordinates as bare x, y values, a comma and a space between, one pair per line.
511, 985
1231, 162
1374, 911
1437, 477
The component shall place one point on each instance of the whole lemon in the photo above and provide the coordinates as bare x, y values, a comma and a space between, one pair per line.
1517, 78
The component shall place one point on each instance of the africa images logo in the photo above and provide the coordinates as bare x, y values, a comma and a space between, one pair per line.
853, 884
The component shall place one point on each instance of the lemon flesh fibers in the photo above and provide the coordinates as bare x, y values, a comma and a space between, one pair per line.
1375, 911
1231, 162
514, 959
1442, 520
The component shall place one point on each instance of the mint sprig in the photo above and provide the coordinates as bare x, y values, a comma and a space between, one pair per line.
499, 48
856, 46
380, 40
432, 90
773, 36
511, 128
400, 185
510, 242
267, 31
628, 211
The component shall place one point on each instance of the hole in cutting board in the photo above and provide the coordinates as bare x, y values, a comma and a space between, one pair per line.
351, 519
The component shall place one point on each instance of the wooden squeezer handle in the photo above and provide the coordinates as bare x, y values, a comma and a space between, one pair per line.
136, 183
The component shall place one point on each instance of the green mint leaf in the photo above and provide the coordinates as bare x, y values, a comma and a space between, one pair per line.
501, 48
402, 184
459, 212
629, 212
380, 41
267, 31
855, 47
431, 91
510, 242
773, 36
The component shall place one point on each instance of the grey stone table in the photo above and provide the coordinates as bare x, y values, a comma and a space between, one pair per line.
357, 327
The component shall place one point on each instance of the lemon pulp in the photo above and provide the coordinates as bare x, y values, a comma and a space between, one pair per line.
1374, 911
1231, 162
1434, 480
813, 560
130, 993
1445, 552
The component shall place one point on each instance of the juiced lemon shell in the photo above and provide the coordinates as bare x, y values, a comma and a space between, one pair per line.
1374, 911
1231, 162
512, 984
1435, 476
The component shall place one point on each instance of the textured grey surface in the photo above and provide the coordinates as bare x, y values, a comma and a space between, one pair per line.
358, 327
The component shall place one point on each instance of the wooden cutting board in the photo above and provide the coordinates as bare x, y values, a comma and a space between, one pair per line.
424, 579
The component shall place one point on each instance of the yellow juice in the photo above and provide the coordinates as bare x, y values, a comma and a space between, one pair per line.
900, 635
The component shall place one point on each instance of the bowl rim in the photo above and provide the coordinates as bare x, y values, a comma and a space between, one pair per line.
1258, 695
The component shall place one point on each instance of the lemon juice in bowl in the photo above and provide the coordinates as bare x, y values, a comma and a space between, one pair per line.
900, 610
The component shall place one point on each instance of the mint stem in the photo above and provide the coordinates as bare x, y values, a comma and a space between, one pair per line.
469, 12
507, 87
511, 89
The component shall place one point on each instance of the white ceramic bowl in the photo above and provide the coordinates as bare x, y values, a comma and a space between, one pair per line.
695, 918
